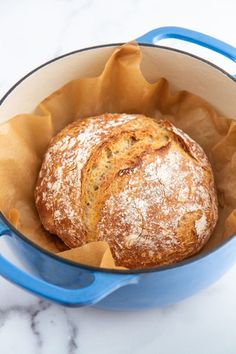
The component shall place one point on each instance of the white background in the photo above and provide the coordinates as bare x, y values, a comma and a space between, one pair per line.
32, 32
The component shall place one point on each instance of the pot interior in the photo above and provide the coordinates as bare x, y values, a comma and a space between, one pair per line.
183, 71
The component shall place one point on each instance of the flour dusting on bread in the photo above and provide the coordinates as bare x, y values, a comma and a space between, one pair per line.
142, 185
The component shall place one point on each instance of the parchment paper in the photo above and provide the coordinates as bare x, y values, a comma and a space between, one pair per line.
120, 88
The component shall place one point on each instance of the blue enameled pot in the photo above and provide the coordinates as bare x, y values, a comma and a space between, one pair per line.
72, 284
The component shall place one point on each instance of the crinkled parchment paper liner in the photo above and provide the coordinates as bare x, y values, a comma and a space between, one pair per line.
120, 88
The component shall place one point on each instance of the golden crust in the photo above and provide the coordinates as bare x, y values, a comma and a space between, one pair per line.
143, 186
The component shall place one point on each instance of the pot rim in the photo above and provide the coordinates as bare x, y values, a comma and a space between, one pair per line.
107, 270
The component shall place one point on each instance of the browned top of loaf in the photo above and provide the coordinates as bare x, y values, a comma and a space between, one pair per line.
143, 186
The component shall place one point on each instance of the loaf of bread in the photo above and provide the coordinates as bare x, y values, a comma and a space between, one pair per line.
142, 185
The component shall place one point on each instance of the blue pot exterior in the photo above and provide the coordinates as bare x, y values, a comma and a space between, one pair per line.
54, 278
153, 289
167, 287
71, 284
47, 268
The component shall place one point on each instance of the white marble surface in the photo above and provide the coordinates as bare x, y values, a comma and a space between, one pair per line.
33, 32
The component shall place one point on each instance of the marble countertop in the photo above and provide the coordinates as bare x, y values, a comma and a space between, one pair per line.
33, 32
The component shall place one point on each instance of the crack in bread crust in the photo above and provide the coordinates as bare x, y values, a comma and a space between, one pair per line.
116, 155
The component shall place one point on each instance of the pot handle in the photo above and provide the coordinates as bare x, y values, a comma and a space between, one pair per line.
102, 285
184, 34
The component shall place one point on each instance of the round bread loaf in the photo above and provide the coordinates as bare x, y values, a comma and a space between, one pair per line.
142, 185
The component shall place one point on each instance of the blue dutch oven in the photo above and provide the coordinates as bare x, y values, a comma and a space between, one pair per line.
67, 283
